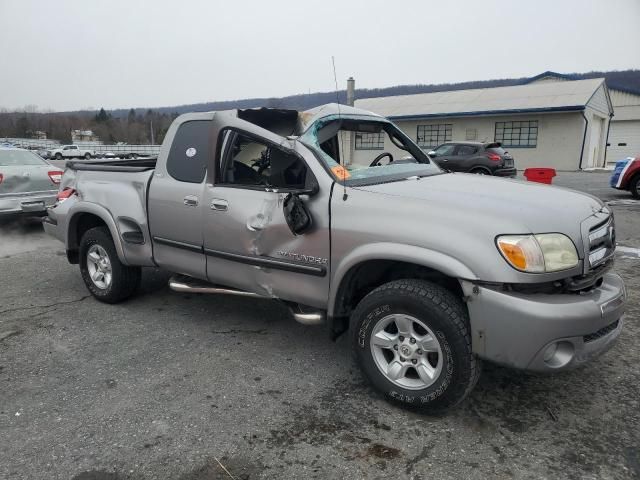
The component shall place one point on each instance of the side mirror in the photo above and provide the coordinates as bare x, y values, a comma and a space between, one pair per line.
432, 154
296, 214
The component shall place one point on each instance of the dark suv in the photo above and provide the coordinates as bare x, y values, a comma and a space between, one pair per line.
475, 157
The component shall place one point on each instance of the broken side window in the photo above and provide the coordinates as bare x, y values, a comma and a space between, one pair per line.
252, 162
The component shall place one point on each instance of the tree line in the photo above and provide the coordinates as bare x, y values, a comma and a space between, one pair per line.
137, 127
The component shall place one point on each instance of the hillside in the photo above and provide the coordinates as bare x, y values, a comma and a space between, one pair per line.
624, 80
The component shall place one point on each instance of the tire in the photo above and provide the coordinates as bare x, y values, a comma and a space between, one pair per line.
480, 171
118, 281
58, 156
87, 156
454, 367
634, 186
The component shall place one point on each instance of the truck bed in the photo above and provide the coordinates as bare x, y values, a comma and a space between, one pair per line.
123, 186
131, 165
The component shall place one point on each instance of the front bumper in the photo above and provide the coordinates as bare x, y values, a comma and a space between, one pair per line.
30, 203
518, 330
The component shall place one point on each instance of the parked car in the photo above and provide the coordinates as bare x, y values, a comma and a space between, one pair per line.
430, 272
626, 176
28, 184
71, 151
475, 157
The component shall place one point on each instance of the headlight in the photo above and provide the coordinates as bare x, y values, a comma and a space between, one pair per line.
547, 252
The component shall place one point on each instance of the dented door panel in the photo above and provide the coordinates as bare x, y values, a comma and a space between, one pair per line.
249, 246
247, 241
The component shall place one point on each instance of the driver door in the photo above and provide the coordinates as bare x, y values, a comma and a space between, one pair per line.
247, 241
445, 156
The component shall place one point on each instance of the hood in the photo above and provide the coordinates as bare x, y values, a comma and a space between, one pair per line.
537, 208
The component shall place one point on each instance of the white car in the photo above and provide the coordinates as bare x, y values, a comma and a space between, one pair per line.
71, 151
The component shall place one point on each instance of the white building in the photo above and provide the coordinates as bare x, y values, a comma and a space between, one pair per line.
624, 131
83, 136
559, 124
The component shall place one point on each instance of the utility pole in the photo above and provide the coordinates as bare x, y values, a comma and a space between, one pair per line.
351, 97
153, 142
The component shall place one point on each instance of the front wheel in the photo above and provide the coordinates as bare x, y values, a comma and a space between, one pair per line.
58, 156
412, 340
634, 187
108, 279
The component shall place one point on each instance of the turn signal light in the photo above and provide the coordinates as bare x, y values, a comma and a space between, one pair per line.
514, 254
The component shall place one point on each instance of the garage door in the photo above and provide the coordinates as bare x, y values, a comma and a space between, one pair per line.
624, 140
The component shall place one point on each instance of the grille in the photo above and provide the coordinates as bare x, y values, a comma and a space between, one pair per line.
602, 242
601, 333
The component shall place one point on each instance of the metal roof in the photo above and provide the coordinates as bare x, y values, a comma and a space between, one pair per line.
535, 97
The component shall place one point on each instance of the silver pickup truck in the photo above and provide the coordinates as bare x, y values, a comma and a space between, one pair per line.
341, 216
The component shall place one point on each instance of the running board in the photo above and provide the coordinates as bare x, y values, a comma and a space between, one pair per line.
184, 284
191, 285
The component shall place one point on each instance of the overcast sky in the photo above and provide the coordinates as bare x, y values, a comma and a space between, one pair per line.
66, 55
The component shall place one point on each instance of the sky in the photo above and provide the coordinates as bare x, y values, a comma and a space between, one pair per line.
69, 55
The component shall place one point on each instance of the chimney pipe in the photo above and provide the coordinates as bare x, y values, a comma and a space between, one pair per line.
351, 91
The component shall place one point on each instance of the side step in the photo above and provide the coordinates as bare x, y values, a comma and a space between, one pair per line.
182, 283
185, 284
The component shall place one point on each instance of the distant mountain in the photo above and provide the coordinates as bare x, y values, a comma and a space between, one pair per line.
627, 80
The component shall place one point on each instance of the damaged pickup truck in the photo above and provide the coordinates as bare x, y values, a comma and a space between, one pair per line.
430, 272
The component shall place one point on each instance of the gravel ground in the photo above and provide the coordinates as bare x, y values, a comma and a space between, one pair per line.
193, 387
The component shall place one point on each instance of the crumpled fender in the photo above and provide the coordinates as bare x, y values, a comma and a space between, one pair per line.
398, 252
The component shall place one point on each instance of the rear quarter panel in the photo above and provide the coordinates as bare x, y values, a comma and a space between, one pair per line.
119, 199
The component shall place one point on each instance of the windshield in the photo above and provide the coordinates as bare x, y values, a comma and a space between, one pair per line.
366, 150
9, 158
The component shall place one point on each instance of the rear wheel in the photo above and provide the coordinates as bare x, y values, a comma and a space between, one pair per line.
411, 338
480, 171
634, 186
108, 279
87, 156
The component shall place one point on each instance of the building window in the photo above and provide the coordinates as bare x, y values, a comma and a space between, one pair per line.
472, 134
430, 136
369, 141
522, 134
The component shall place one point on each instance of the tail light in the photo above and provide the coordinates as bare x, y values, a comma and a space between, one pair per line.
494, 157
64, 194
55, 176
1, 177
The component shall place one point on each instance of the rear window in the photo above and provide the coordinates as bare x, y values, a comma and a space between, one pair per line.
498, 150
9, 158
189, 152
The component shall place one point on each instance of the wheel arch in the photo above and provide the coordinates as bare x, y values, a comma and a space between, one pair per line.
370, 266
476, 168
84, 218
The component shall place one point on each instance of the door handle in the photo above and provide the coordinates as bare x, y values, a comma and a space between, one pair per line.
219, 204
191, 201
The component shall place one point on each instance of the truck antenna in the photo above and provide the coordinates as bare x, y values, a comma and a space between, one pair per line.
341, 155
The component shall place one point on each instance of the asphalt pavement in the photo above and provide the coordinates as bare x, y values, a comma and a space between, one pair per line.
194, 387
